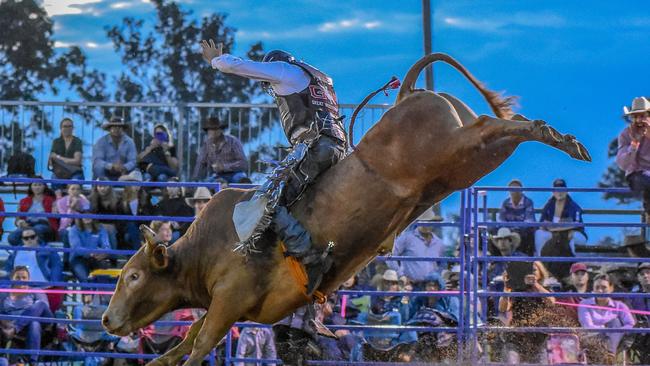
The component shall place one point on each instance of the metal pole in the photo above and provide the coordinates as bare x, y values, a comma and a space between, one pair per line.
426, 30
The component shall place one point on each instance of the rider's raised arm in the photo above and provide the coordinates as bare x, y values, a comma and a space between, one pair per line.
284, 77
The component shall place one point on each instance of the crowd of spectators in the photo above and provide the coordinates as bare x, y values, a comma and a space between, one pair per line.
221, 158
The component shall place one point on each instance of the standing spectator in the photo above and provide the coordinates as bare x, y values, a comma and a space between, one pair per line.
114, 154
39, 199
66, 155
105, 201
417, 241
173, 203
618, 317
221, 157
86, 233
633, 154
255, 343
45, 266
560, 208
158, 160
73, 203
200, 199
519, 208
27, 305
136, 202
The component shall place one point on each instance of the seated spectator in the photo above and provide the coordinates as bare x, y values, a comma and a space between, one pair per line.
91, 337
136, 202
105, 201
507, 243
73, 203
579, 283
44, 265
66, 155
255, 343
200, 199
158, 160
526, 312
416, 241
114, 155
27, 305
87, 233
560, 208
642, 340
633, 154
39, 199
447, 306
173, 203
221, 157
618, 317
161, 338
163, 230
519, 208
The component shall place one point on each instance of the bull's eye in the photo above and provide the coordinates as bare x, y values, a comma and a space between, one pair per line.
133, 276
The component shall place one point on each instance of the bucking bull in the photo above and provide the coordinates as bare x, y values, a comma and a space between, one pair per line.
424, 148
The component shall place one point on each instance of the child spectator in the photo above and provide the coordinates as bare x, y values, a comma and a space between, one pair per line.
87, 233
39, 199
27, 305
173, 203
75, 202
158, 160
105, 201
163, 230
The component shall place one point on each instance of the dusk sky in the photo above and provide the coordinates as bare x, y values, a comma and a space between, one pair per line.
574, 64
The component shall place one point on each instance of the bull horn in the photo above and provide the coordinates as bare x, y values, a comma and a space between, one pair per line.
149, 237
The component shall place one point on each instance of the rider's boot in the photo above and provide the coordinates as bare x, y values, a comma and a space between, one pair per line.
298, 243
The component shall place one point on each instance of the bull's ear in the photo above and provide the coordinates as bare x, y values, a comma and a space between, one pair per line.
159, 258
149, 238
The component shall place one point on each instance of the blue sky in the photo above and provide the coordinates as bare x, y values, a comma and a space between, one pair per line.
572, 63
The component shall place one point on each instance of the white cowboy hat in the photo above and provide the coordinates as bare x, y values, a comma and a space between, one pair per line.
390, 275
201, 193
639, 105
134, 176
504, 232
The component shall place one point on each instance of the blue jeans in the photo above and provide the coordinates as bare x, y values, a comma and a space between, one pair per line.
33, 328
161, 173
230, 177
76, 176
42, 230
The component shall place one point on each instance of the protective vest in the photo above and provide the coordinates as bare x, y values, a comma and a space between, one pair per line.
313, 111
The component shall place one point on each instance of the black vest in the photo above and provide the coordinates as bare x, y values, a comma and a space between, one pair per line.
312, 112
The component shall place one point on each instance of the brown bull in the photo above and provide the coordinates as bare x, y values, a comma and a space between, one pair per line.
424, 148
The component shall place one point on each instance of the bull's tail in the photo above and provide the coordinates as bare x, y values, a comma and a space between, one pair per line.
501, 106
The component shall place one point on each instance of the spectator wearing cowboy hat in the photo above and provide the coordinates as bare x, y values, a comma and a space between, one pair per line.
221, 157
634, 150
114, 154
200, 199
507, 243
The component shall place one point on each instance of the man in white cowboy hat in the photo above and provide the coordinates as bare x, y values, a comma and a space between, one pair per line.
507, 244
199, 200
114, 154
634, 150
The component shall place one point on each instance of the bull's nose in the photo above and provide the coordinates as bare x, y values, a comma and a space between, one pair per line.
105, 321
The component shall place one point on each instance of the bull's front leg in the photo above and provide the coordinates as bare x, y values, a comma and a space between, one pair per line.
171, 357
224, 310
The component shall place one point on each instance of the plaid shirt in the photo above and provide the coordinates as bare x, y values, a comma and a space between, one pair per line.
229, 152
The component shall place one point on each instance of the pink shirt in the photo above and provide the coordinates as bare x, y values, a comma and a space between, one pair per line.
63, 207
630, 160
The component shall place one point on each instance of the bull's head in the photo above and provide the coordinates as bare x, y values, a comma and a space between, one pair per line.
145, 290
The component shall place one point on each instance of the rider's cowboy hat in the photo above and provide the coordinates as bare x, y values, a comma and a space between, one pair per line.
639, 105
505, 233
114, 121
201, 193
213, 123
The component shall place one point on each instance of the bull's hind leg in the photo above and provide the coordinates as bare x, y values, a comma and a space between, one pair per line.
171, 357
491, 129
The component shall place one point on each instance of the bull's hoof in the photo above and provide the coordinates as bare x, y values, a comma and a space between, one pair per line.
548, 133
